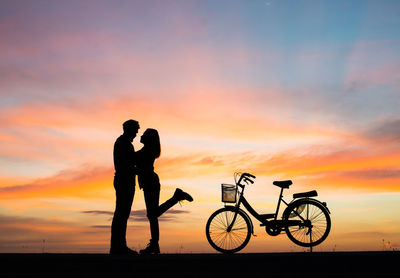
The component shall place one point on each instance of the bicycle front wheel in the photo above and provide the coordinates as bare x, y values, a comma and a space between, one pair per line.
314, 222
223, 240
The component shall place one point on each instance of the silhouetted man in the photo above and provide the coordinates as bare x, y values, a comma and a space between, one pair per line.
124, 184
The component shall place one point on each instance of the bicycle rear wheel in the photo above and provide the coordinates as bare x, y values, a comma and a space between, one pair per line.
314, 222
217, 230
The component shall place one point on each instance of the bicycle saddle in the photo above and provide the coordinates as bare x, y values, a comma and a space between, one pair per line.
282, 184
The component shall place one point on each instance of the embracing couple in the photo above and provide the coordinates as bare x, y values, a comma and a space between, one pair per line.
128, 164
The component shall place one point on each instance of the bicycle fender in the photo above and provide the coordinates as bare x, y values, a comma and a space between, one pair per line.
246, 215
309, 199
322, 203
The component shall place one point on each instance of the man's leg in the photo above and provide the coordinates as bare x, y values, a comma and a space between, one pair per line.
124, 191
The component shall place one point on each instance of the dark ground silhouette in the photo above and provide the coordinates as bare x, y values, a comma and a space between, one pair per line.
325, 264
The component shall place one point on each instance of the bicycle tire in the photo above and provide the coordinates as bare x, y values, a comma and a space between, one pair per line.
313, 211
222, 240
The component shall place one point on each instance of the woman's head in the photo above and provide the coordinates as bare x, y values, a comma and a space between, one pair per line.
151, 140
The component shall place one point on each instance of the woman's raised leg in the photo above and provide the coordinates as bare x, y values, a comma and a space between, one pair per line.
178, 196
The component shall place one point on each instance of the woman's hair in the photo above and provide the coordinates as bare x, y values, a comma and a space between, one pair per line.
152, 141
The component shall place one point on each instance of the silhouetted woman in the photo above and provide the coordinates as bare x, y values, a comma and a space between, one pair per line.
150, 183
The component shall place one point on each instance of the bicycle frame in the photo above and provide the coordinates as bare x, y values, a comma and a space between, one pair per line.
263, 218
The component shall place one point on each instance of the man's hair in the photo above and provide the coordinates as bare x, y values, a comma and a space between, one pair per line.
130, 124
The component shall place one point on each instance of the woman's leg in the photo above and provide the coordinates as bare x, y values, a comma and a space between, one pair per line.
151, 197
167, 205
179, 195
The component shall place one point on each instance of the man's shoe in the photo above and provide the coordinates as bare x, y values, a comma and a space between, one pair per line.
152, 248
122, 251
181, 195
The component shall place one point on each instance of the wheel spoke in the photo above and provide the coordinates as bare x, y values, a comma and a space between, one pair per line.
220, 238
316, 216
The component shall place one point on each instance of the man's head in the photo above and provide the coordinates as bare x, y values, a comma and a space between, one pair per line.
131, 128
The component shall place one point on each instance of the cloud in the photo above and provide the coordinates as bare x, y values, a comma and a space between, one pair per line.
367, 234
366, 69
19, 226
336, 167
376, 174
100, 226
98, 212
78, 182
346, 166
141, 215
168, 216
386, 130
40, 138
35, 234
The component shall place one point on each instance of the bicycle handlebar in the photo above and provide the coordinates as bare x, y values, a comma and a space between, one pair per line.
247, 178
249, 175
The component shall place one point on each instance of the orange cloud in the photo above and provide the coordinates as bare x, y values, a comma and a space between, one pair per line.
215, 126
346, 169
76, 183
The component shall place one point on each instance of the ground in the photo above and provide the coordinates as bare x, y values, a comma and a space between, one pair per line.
317, 264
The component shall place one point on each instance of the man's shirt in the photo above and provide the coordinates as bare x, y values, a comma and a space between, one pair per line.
124, 157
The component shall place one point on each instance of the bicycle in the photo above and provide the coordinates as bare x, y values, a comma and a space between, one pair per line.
305, 220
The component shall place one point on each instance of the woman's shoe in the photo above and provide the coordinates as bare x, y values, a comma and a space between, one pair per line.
152, 248
181, 195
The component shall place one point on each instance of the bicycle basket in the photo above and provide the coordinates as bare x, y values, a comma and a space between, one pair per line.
229, 193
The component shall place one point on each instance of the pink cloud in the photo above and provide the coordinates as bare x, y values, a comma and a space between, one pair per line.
374, 63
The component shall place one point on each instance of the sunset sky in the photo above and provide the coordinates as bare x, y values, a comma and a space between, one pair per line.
301, 90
